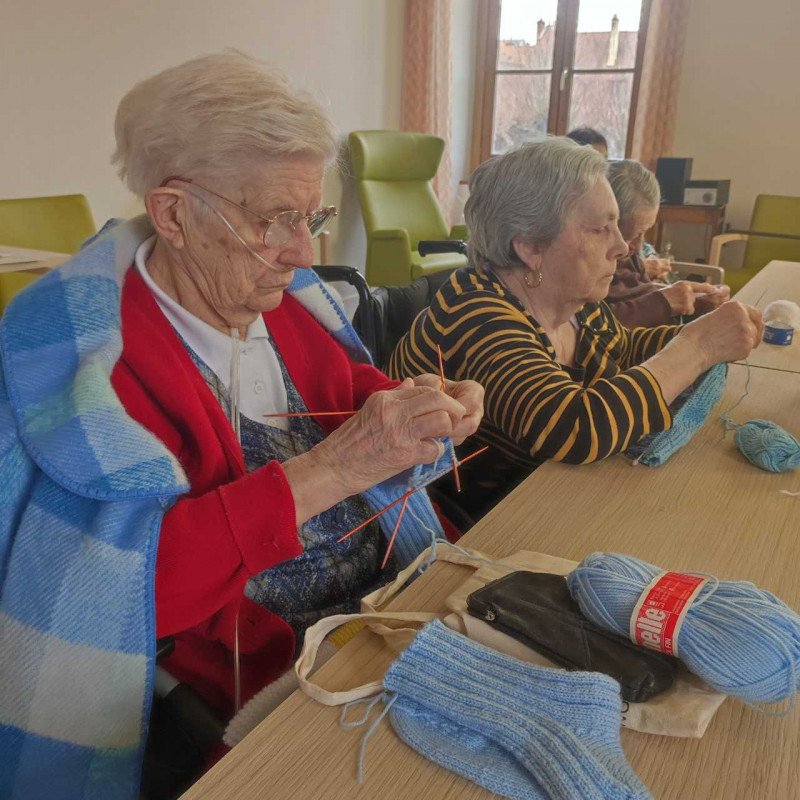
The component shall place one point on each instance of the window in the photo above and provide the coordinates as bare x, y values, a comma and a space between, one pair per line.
548, 66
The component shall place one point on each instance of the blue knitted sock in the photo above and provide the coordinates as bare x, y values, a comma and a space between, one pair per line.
519, 730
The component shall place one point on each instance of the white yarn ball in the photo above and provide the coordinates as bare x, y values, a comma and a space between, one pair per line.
784, 311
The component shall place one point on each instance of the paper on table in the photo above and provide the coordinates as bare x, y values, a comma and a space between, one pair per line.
16, 258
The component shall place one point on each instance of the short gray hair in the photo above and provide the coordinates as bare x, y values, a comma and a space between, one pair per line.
634, 186
527, 192
212, 116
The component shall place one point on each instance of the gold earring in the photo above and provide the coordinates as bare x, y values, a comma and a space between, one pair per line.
529, 276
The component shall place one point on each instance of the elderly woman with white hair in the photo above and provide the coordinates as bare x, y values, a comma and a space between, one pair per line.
161, 473
564, 379
633, 297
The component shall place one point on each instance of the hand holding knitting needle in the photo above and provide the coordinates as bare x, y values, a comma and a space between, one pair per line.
727, 334
468, 393
394, 430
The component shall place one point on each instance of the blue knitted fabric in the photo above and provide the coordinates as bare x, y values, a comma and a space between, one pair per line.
695, 406
517, 729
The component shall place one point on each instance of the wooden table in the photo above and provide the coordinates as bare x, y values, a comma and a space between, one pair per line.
707, 509
779, 280
713, 217
45, 260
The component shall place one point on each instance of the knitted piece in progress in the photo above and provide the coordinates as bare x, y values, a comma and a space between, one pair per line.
656, 449
517, 729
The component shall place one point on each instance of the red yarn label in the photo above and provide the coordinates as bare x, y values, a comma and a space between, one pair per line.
661, 609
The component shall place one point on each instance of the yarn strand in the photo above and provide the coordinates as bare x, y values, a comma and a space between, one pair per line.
762, 442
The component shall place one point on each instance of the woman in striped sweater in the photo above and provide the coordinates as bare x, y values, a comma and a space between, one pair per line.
564, 379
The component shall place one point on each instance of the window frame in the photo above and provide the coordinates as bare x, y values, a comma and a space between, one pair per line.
561, 73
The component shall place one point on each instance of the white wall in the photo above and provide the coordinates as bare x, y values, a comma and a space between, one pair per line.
739, 104
66, 64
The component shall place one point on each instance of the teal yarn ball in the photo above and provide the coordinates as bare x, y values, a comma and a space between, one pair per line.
767, 445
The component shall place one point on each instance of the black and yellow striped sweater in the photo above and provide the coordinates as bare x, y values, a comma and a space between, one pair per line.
536, 408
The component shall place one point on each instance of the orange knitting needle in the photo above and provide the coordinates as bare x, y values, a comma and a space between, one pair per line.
473, 455
402, 499
396, 528
455, 463
375, 516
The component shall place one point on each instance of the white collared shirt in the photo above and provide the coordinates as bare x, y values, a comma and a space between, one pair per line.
261, 381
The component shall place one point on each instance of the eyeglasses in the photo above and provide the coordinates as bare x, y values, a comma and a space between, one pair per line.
281, 228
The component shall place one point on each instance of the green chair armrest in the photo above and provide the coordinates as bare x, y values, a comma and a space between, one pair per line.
388, 257
459, 232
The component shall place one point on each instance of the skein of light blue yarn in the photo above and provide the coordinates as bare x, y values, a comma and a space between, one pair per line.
738, 638
762, 442
766, 445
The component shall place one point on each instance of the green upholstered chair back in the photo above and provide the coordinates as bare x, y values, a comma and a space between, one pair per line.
58, 223
773, 213
394, 172
11, 283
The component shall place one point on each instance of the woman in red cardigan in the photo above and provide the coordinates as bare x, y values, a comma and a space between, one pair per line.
230, 161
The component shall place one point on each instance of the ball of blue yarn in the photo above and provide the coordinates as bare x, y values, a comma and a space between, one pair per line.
767, 445
738, 638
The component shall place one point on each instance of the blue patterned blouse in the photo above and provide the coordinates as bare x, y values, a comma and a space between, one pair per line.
328, 577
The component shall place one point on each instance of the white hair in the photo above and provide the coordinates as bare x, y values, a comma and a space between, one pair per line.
527, 192
210, 118
634, 186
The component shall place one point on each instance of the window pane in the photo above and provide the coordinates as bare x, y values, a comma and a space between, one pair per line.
527, 33
608, 31
521, 104
603, 102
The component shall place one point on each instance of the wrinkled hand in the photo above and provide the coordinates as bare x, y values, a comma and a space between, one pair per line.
727, 334
468, 393
656, 268
392, 432
715, 296
682, 296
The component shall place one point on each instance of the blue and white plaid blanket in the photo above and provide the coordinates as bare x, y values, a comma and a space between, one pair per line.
83, 489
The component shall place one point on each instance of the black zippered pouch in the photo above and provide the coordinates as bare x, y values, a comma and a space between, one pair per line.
536, 608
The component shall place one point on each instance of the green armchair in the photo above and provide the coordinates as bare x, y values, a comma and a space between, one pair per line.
772, 213
58, 223
394, 172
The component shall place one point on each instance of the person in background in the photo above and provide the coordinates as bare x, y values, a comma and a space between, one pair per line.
635, 299
591, 137
564, 379
655, 266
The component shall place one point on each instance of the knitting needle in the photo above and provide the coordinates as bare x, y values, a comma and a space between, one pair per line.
396, 528
401, 499
375, 516
455, 463
472, 455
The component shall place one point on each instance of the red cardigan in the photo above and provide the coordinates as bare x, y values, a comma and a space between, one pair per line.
230, 525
